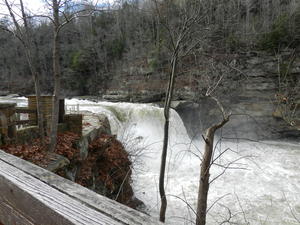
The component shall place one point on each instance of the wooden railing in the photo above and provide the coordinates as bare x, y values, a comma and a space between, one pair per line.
31, 195
26, 111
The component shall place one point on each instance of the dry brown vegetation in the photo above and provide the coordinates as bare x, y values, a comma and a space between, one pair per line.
107, 162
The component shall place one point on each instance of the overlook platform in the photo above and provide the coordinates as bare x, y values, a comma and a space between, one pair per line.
31, 195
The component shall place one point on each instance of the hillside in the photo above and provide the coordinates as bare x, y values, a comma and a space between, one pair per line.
246, 52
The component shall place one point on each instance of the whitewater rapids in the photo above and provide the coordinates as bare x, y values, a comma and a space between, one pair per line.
261, 186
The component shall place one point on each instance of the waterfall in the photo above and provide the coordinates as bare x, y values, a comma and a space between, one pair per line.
260, 186
140, 128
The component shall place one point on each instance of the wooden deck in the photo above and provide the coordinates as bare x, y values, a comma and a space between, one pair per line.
31, 195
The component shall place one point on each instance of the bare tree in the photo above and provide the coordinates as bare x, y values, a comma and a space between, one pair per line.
56, 75
178, 33
58, 24
185, 35
25, 37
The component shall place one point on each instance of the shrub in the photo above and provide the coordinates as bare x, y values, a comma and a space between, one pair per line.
157, 58
279, 36
116, 47
233, 42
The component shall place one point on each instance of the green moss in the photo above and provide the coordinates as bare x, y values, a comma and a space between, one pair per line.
121, 116
154, 113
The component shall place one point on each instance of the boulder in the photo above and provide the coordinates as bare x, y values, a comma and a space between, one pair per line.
57, 162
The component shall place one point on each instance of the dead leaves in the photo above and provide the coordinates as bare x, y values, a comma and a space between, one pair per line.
36, 152
109, 163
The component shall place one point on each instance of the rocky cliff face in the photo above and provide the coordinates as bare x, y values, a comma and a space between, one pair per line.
261, 90
263, 94
267, 103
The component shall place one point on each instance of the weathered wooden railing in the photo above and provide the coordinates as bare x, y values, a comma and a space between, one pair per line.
31, 195
25, 110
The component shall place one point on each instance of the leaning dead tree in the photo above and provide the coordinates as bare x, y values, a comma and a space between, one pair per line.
206, 165
22, 32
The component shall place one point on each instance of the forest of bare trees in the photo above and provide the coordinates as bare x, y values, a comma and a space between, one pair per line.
98, 46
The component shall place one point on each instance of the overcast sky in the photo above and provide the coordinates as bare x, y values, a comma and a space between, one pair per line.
32, 5
37, 6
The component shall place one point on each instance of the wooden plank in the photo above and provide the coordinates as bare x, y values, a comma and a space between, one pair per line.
100, 203
9, 216
21, 122
25, 110
42, 204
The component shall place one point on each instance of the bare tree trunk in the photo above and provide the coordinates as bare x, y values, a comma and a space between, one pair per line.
56, 73
176, 48
205, 168
166, 137
35, 76
204, 178
39, 106
28, 47
38, 96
